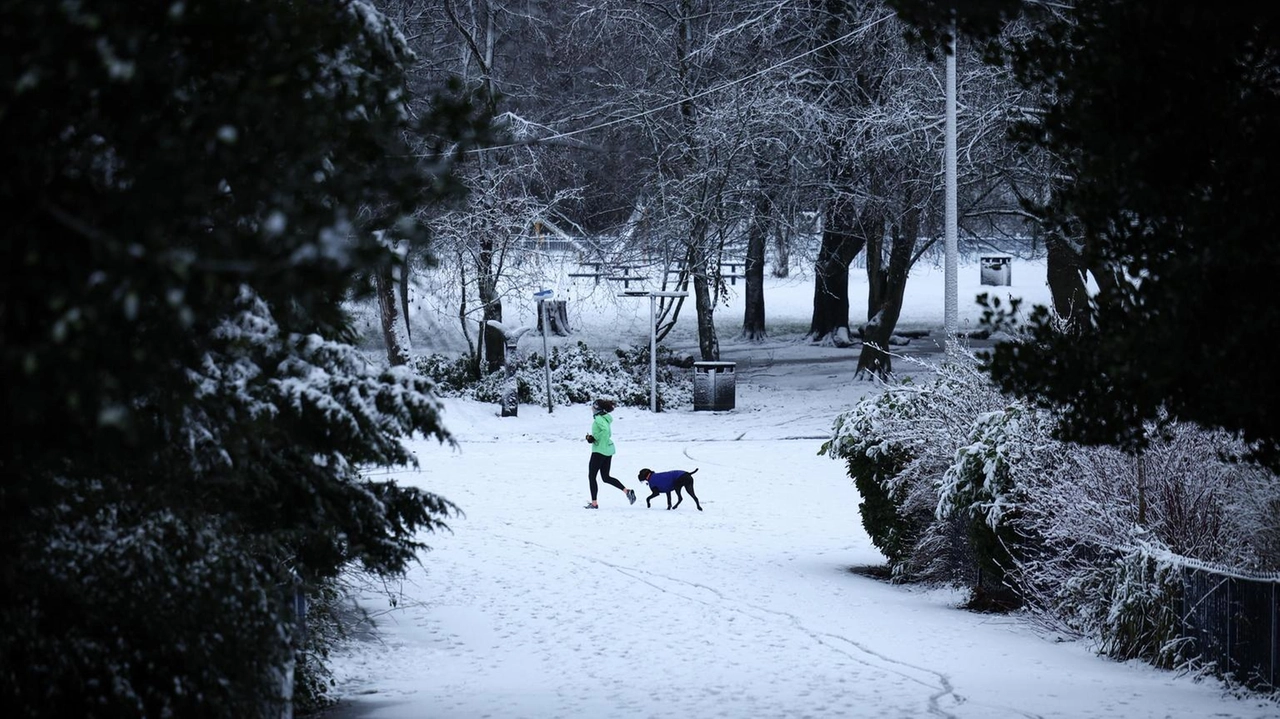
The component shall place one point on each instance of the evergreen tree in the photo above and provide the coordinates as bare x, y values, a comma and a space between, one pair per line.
1164, 115
194, 187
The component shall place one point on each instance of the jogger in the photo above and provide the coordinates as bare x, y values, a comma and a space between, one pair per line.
602, 451
600, 465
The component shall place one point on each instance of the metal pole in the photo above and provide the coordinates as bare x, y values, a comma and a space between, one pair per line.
653, 357
653, 337
546, 356
951, 303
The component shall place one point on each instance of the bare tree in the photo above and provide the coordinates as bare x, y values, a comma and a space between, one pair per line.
832, 83
498, 50
713, 111
493, 238
729, 127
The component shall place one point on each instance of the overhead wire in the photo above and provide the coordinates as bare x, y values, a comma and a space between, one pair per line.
718, 88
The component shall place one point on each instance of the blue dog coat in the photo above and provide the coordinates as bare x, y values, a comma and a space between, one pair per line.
665, 481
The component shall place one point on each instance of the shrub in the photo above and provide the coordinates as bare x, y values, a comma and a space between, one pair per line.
222, 170
898, 445
578, 375
981, 486
874, 461
957, 481
1142, 619
452, 377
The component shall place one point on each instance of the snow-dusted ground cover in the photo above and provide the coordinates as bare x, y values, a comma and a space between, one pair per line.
536, 607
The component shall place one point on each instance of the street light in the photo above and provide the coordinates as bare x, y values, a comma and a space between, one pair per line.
951, 303
653, 338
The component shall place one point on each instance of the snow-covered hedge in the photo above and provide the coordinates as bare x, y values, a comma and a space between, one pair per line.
898, 445
963, 485
578, 375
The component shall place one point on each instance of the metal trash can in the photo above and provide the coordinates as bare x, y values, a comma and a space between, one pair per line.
713, 386
997, 269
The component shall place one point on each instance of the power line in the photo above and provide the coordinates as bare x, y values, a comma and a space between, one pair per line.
609, 123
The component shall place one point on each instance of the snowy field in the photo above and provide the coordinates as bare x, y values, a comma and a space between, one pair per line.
535, 607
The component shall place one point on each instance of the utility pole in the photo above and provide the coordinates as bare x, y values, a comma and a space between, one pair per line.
951, 311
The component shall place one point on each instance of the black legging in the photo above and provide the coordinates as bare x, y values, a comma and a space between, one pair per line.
600, 463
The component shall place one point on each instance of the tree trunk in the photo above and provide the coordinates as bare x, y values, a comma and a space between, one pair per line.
840, 244
395, 330
1066, 282
753, 328
473, 353
698, 255
877, 275
704, 306
781, 253
404, 294
875, 359
486, 284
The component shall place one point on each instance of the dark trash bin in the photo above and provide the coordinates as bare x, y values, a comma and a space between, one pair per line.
997, 270
714, 386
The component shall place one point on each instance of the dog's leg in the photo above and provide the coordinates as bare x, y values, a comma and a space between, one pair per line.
649, 499
668, 500
679, 497
695, 497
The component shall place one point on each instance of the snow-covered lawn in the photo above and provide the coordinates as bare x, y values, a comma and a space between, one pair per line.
535, 607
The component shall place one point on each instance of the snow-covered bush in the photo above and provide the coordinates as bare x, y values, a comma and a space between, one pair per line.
963, 485
452, 376
873, 465
1100, 515
578, 375
981, 488
1142, 619
1253, 504
898, 445
1202, 503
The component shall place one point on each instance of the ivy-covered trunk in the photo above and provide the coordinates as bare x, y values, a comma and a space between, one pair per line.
782, 252
403, 287
511, 388
395, 327
486, 287
1066, 271
840, 244
875, 359
708, 343
753, 328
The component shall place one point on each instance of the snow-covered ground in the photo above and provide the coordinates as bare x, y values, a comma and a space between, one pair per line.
535, 607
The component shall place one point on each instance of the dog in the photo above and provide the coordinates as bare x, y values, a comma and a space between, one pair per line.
668, 482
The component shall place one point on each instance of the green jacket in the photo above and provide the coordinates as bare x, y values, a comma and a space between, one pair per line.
602, 431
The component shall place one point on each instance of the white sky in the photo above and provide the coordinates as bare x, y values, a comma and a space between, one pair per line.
535, 607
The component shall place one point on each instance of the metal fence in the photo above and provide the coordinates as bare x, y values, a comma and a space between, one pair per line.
1234, 622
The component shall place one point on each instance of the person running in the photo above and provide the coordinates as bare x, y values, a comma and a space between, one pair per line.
602, 451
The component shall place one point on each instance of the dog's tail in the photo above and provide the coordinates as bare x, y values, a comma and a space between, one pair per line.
695, 471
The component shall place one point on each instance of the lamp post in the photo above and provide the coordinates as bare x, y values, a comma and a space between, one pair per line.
541, 298
951, 309
653, 338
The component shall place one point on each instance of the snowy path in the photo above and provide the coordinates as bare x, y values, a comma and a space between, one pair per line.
535, 607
